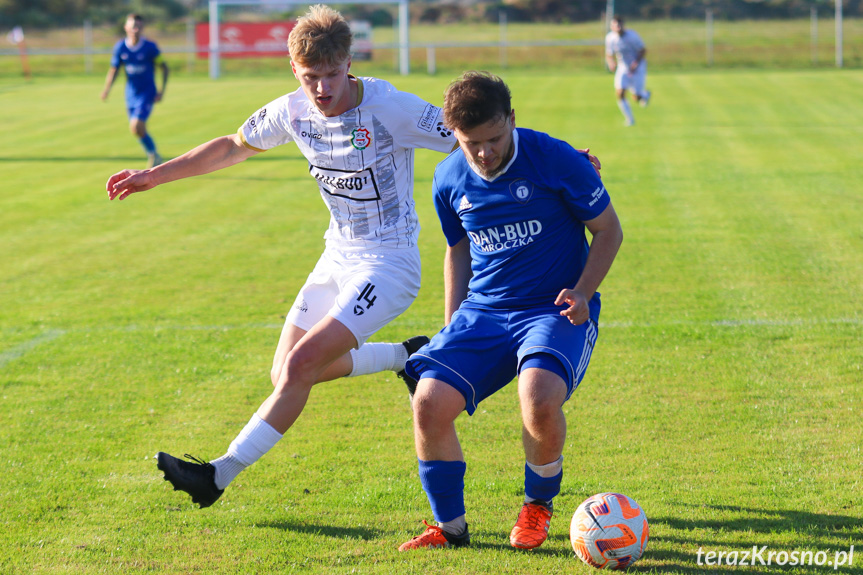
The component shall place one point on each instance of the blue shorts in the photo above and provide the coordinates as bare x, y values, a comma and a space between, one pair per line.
482, 350
140, 107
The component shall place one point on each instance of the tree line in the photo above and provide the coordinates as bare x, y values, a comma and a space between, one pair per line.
50, 13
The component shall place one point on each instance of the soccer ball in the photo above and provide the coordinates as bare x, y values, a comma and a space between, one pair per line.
609, 531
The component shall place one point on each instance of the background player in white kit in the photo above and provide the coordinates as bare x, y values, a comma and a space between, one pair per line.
625, 55
358, 135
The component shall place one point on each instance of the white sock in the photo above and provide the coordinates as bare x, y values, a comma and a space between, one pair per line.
549, 469
375, 357
455, 527
227, 468
623, 104
257, 438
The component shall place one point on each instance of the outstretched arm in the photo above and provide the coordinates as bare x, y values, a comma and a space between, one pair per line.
607, 237
214, 155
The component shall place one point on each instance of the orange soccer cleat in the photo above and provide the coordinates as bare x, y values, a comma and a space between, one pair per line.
531, 527
435, 538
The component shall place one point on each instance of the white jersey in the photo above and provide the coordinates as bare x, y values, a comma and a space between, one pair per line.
363, 160
625, 48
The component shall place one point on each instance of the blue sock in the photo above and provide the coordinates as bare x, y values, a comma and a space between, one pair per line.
148, 143
443, 482
538, 487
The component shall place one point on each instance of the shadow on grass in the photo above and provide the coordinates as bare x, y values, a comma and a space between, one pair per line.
755, 529
678, 552
333, 531
814, 526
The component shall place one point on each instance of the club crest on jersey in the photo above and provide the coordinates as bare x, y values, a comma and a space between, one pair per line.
521, 190
361, 138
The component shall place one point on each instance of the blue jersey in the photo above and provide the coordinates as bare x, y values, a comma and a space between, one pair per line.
527, 239
140, 64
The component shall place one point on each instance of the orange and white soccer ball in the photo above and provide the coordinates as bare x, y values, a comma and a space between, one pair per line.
609, 531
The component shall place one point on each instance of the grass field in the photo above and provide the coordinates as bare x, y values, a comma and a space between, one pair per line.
724, 394
673, 45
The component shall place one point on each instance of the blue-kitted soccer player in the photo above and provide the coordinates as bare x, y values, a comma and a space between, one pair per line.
139, 57
520, 299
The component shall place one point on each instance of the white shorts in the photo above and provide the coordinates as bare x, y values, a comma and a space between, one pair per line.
634, 82
363, 291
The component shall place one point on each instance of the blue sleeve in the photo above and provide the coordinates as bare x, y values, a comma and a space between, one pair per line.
583, 190
115, 55
450, 223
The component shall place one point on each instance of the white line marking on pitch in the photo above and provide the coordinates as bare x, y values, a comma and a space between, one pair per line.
22, 348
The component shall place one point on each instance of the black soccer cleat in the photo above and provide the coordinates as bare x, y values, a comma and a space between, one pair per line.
412, 345
195, 477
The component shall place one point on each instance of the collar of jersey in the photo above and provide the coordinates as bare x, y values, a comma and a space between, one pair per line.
360, 89
136, 46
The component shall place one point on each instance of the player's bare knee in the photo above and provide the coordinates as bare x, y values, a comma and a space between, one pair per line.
428, 419
429, 411
539, 406
301, 366
540, 416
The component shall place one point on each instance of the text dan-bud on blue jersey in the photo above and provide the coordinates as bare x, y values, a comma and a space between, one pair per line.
527, 239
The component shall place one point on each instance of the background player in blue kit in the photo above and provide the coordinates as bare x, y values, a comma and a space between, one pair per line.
139, 57
520, 299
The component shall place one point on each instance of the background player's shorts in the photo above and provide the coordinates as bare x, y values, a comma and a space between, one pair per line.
363, 291
139, 108
482, 350
634, 82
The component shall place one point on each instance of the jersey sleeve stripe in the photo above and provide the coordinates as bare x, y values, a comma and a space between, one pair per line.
247, 144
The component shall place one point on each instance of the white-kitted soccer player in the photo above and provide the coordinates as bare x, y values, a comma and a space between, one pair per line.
625, 55
359, 136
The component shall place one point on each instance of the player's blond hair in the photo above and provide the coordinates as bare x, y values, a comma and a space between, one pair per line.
321, 36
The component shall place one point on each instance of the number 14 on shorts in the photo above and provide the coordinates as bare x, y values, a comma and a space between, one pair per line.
365, 296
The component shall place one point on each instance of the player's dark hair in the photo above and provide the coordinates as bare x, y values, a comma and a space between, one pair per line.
474, 99
617, 18
136, 17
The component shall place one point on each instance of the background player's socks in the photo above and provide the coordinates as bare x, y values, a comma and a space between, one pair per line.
148, 144
623, 104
